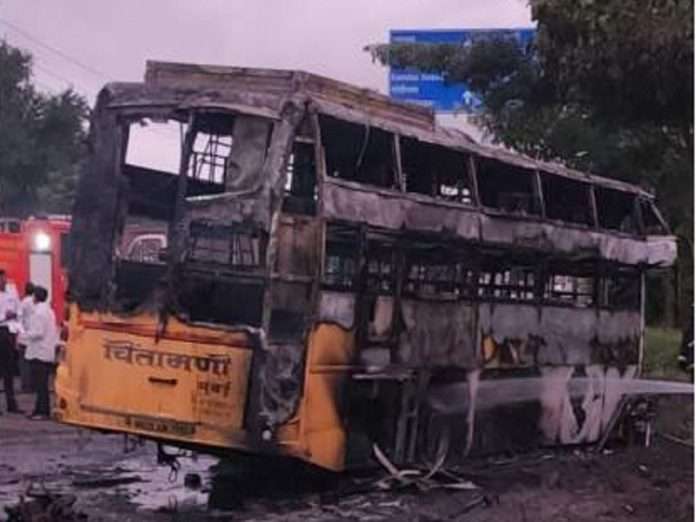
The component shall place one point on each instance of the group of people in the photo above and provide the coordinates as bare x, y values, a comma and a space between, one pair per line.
27, 328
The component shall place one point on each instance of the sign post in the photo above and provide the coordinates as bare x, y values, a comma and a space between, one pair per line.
433, 89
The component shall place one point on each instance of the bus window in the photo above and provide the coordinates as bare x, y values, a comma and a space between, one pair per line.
570, 286
147, 248
566, 199
381, 270
616, 210
433, 275
234, 247
226, 154
652, 221
507, 280
300, 183
339, 267
358, 152
506, 187
435, 171
9, 225
622, 291
341, 257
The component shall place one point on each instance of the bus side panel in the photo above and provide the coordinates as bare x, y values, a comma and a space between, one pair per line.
322, 414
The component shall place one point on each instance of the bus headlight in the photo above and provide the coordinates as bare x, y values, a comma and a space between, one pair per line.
42, 241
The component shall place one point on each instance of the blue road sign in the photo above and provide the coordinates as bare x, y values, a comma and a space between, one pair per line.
432, 89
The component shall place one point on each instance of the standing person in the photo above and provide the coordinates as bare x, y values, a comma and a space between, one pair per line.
9, 304
41, 338
26, 307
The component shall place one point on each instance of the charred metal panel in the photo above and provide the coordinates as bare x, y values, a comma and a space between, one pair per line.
248, 152
297, 246
276, 384
527, 335
575, 241
96, 209
618, 338
291, 306
281, 379
381, 323
515, 409
338, 308
438, 334
579, 414
395, 211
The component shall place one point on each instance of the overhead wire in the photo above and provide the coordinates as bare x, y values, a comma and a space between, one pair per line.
78, 63
53, 49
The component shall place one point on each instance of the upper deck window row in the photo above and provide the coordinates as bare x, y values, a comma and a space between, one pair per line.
373, 156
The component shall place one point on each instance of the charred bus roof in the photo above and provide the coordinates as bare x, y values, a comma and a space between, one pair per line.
375, 162
173, 89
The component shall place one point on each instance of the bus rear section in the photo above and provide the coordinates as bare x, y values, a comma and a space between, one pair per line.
191, 290
190, 385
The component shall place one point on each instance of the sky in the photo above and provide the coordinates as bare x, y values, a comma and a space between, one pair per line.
85, 43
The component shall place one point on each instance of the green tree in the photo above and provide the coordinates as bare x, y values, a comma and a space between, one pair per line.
606, 87
41, 140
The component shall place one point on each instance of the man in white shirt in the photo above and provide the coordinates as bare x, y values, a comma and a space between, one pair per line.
26, 307
40, 338
9, 304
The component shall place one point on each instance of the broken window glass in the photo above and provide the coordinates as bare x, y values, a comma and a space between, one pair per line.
435, 170
616, 210
358, 152
507, 188
566, 199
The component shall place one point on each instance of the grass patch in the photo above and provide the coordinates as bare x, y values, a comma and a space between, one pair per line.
661, 352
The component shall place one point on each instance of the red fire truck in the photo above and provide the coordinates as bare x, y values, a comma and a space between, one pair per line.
35, 250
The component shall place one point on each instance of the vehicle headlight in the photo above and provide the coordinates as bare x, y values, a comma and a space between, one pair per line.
42, 241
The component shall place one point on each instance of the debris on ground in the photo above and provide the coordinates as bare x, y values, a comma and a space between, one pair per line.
41, 505
423, 480
105, 482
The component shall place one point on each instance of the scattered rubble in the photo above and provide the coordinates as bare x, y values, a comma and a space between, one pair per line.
41, 505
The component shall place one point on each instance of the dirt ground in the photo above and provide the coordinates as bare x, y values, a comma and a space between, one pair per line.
619, 484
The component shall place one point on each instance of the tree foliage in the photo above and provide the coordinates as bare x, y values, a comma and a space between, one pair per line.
41, 140
607, 86
630, 59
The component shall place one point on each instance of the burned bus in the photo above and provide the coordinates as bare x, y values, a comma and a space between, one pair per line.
324, 269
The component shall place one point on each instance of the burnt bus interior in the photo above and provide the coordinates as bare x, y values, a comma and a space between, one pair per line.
251, 243
235, 255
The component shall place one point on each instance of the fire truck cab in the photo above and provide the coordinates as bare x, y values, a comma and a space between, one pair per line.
35, 249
